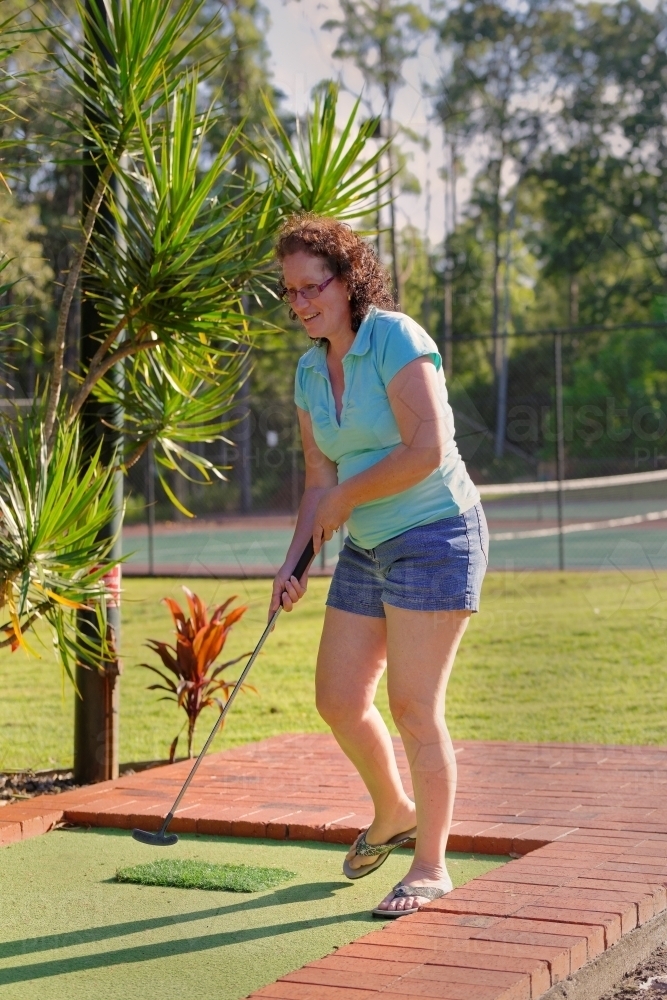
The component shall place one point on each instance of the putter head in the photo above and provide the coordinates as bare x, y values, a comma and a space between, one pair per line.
155, 839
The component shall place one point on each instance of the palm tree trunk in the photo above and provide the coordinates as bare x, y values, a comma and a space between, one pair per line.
96, 718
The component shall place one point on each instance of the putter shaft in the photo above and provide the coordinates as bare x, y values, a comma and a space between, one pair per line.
220, 719
300, 568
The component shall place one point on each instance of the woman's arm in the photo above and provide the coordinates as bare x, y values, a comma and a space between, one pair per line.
321, 477
414, 397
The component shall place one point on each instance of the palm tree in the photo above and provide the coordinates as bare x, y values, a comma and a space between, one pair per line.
174, 239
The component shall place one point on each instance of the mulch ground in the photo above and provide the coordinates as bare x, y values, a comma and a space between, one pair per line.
586, 824
20, 785
647, 982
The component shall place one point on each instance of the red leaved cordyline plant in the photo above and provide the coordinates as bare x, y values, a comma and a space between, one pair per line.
199, 642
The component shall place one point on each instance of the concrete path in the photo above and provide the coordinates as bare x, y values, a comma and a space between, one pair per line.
588, 825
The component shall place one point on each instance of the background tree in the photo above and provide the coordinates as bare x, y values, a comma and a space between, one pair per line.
501, 57
378, 36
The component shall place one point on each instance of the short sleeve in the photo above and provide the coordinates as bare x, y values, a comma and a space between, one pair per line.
299, 395
399, 341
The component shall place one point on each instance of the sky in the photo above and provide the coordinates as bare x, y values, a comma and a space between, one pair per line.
301, 56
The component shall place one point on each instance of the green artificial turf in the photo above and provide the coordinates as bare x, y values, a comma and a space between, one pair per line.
188, 873
552, 656
70, 931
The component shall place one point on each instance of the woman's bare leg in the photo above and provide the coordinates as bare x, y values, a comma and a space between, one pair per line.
350, 663
421, 647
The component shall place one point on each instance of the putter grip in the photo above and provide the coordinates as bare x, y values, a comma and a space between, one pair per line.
304, 560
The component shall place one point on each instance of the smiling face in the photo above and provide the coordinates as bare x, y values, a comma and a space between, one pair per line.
327, 316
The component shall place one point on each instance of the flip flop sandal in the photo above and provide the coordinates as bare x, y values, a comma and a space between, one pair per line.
401, 891
382, 851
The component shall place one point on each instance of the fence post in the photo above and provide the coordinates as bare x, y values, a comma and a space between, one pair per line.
560, 443
501, 401
150, 506
295, 466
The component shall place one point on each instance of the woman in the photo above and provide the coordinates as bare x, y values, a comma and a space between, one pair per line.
378, 441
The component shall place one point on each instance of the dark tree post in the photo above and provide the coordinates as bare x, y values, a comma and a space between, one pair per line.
560, 443
96, 705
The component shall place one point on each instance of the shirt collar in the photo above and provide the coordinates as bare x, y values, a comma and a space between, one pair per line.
316, 357
362, 341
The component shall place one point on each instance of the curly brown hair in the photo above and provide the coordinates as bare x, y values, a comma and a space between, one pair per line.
349, 256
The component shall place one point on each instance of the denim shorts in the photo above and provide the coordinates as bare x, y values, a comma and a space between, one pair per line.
433, 567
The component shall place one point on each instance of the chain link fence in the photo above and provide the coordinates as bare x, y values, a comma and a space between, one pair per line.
538, 407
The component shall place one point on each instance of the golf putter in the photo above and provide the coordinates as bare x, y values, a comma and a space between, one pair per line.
162, 838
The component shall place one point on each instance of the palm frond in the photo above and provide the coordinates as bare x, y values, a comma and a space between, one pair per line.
127, 64
323, 171
53, 509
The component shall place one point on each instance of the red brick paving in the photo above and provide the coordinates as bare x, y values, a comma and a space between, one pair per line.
587, 824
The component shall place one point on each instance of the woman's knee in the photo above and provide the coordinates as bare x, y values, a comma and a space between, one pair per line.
416, 719
342, 708
328, 704
334, 705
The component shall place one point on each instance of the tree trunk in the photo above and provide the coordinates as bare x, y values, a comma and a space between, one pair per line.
392, 237
244, 432
96, 705
181, 487
244, 441
395, 275
96, 718
499, 350
573, 303
495, 290
448, 314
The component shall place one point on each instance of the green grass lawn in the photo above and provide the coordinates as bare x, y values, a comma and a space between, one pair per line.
571, 656
69, 931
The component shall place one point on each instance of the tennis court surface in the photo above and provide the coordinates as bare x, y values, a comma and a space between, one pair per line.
614, 522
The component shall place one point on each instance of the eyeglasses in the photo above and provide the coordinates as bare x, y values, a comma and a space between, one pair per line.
308, 291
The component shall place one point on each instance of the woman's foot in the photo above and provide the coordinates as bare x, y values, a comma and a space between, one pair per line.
381, 831
414, 879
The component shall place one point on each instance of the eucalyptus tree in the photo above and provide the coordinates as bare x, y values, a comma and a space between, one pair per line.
604, 182
174, 238
378, 37
499, 92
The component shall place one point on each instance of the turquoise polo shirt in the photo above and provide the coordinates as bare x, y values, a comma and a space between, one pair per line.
385, 343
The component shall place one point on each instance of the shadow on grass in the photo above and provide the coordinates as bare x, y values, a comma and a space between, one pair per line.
163, 949
303, 893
